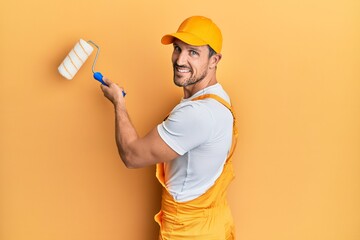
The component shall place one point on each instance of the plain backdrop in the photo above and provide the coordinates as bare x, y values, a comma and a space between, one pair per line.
291, 67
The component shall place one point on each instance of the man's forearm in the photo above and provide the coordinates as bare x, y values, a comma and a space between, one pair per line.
134, 151
125, 134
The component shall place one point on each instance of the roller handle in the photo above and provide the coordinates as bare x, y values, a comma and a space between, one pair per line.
98, 76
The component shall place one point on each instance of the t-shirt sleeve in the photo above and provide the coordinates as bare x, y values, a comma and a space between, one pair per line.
187, 127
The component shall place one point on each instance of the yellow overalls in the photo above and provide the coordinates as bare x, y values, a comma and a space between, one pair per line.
206, 217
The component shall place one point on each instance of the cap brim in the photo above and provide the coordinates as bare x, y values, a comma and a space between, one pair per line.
185, 37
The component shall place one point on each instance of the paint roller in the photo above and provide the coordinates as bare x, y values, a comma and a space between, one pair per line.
77, 57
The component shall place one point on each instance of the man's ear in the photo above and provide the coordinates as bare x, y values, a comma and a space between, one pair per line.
214, 60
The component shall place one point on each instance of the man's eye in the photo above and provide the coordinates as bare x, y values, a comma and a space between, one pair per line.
177, 48
193, 53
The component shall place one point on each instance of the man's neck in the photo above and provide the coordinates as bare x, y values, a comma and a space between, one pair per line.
194, 88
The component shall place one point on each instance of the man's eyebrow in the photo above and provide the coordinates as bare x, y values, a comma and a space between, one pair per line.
197, 49
191, 48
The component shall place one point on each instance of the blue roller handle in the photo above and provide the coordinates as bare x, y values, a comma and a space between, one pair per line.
98, 76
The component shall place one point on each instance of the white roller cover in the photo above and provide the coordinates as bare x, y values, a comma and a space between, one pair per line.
75, 59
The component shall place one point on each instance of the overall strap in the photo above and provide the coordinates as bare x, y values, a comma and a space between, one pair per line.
228, 106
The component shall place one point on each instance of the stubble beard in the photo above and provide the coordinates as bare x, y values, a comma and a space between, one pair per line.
189, 81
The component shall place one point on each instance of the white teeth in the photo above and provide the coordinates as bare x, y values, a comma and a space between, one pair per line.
183, 70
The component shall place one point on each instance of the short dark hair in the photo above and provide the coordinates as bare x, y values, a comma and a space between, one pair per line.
211, 51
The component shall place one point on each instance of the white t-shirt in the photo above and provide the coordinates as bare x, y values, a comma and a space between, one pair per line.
201, 133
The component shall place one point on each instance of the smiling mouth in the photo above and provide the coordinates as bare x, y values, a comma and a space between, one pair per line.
181, 69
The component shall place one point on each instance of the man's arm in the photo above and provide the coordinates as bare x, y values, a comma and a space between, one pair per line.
134, 151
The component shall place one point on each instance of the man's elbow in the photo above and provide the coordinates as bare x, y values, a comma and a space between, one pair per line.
131, 162
131, 165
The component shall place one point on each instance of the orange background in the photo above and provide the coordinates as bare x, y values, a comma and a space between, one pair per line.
292, 68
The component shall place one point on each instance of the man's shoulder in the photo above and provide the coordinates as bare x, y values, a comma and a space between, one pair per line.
203, 108
217, 90
192, 109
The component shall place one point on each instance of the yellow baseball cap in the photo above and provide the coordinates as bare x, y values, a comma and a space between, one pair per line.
197, 31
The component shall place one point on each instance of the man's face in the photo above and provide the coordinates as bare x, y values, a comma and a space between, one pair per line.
190, 63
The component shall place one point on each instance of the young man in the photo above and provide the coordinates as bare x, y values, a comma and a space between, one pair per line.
192, 147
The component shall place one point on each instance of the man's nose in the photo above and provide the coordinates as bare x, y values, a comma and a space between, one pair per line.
181, 59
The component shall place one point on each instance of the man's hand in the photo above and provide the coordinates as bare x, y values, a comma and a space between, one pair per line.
113, 92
